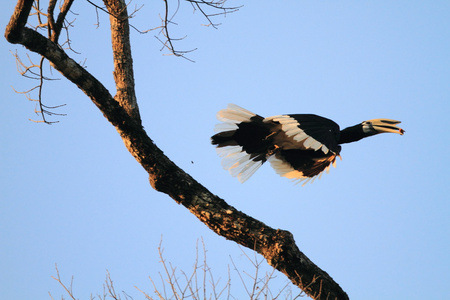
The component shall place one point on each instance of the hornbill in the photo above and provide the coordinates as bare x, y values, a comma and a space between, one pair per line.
299, 147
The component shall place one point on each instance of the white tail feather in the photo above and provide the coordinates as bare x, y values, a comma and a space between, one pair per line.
234, 114
234, 159
238, 162
221, 127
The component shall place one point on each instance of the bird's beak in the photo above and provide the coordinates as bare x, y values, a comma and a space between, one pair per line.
386, 125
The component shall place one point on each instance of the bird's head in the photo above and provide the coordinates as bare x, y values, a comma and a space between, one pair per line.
376, 126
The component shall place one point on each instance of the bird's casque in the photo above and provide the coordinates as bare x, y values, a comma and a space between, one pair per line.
299, 147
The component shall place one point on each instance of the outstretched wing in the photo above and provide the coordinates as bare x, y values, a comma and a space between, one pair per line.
306, 131
307, 146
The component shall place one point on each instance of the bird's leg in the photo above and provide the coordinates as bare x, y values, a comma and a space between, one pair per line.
271, 134
272, 150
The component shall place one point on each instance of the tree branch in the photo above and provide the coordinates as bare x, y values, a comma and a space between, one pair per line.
57, 26
123, 62
277, 246
18, 21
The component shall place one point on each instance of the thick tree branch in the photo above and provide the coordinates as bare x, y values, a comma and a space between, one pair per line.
123, 62
18, 21
277, 246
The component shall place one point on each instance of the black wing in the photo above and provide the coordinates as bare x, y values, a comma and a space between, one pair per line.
305, 132
307, 145
321, 129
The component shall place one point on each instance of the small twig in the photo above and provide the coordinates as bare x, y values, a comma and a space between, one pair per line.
24, 70
67, 289
97, 7
168, 42
66, 27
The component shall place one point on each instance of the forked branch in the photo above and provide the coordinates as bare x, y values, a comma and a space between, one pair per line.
36, 71
56, 26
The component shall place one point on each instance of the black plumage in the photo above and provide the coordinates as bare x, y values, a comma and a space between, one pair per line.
299, 146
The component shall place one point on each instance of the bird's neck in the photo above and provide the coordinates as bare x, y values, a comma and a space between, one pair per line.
352, 134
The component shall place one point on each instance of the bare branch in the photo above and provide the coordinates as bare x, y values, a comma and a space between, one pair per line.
123, 62
25, 70
65, 8
28, 71
67, 289
168, 41
109, 291
50, 20
216, 5
68, 42
110, 287
118, 16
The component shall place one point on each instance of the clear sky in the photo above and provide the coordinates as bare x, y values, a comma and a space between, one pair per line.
71, 194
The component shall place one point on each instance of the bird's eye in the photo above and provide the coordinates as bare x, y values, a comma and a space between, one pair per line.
368, 123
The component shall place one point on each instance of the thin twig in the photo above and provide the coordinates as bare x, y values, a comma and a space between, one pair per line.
67, 289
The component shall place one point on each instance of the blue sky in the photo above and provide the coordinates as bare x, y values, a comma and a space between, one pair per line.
378, 223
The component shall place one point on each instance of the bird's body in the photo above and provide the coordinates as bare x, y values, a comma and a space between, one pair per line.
299, 147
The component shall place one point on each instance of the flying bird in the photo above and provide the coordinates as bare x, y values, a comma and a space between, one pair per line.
299, 147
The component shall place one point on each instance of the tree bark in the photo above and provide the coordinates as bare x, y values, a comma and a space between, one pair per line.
123, 63
277, 246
